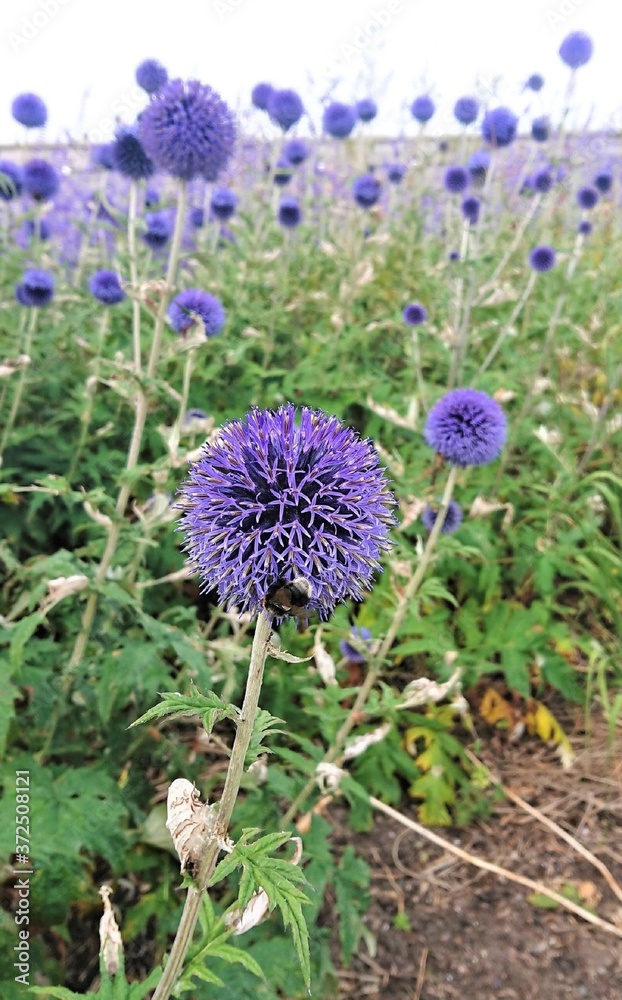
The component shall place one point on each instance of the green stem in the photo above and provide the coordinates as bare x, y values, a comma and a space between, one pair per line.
91, 389
518, 308
19, 391
490, 284
133, 262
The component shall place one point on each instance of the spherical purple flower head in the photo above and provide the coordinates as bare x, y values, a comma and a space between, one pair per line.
283, 494
587, 197
106, 287
11, 180
35, 289
290, 213
283, 172
197, 218
261, 95
222, 203
285, 108
543, 181
188, 130
414, 314
477, 165
602, 182
130, 157
451, 521
103, 155
454, 255
535, 82
366, 109
395, 172
576, 49
355, 655
339, 119
366, 190
585, 227
456, 180
40, 180
499, 126
542, 258
152, 197
540, 129
470, 209
295, 152
422, 108
29, 110
466, 110
466, 427
158, 231
193, 304
151, 75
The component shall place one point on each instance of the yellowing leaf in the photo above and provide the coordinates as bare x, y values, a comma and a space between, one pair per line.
541, 722
494, 709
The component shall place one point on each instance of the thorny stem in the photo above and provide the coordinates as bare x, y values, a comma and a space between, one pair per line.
133, 262
518, 308
488, 285
190, 915
91, 389
375, 664
19, 390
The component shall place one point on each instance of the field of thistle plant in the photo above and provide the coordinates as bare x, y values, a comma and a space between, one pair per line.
311, 513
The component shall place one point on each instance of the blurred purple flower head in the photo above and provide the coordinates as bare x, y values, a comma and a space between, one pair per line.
158, 231
350, 652
36, 288
40, 228
535, 82
285, 108
223, 203
466, 110
188, 130
29, 110
587, 197
543, 181
261, 94
283, 172
499, 126
283, 494
196, 217
451, 521
290, 214
602, 182
11, 180
366, 109
470, 209
192, 303
40, 180
339, 119
466, 427
414, 314
395, 172
130, 157
151, 75
422, 108
103, 155
576, 49
366, 190
295, 152
477, 165
456, 180
542, 258
106, 287
585, 227
152, 197
540, 129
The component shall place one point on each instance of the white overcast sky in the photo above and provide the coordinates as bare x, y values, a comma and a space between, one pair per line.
80, 55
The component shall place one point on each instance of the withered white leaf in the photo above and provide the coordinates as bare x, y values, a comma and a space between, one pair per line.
323, 660
111, 942
187, 820
358, 745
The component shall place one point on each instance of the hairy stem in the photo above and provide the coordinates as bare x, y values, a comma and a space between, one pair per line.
19, 391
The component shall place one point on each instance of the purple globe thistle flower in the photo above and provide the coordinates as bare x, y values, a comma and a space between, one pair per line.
11, 180
585, 227
194, 421
422, 108
283, 172
29, 110
285, 108
366, 190
40, 180
290, 213
152, 197
470, 208
451, 521
466, 110
414, 314
130, 157
35, 289
499, 126
158, 231
542, 258
543, 181
366, 109
535, 82
587, 197
602, 182
456, 180
188, 130
151, 75
466, 427
106, 287
284, 494
295, 152
261, 94
339, 119
454, 255
197, 218
103, 155
540, 129
350, 652
40, 228
395, 172
194, 303
576, 49
222, 203
478, 164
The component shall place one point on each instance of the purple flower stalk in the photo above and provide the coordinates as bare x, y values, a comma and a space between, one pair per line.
35, 289
194, 304
106, 287
451, 521
466, 427
284, 494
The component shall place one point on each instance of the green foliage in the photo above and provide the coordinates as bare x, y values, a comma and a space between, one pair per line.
111, 988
